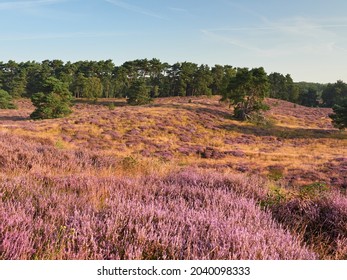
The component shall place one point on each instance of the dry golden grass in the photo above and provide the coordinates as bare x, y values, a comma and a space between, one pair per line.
175, 132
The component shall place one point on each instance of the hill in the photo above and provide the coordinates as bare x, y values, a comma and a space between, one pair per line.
299, 141
178, 179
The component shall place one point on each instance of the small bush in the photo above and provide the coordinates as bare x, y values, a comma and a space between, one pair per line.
313, 190
111, 106
259, 119
59, 144
129, 163
275, 172
275, 196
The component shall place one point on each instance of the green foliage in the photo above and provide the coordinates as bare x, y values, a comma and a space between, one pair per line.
313, 190
246, 91
111, 106
275, 196
309, 98
59, 144
93, 88
221, 76
155, 91
13, 78
129, 163
96, 79
339, 117
90, 87
217, 73
6, 100
78, 85
138, 93
55, 102
276, 173
305, 86
334, 94
185, 79
258, 119
201, 81
283, 87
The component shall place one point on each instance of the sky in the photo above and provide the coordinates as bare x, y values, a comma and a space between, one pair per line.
305, 38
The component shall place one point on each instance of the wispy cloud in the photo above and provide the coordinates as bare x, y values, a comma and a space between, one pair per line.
135, 9
17, 5
182, 11
53, 36
243, 8
285, 37
231, 40
293, 28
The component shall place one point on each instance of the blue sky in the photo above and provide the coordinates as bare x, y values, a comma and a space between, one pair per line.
306, 38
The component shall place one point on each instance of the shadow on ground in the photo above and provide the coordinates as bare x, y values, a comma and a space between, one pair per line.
286, 132
272, 130
102, 102
13, 118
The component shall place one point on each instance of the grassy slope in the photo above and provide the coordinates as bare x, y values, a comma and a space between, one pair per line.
301, 145
121, 183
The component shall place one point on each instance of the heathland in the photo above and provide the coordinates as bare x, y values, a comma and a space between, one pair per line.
176, 179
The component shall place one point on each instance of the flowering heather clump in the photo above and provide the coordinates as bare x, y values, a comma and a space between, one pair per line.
119, 184
22, 155
322, 222
210, 152
246, 186
184, 216
306, 116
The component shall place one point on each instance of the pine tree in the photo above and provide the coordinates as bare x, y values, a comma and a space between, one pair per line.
138, 93
54, 102
340, 115
246, 91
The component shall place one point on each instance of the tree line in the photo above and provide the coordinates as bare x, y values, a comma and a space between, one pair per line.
142, 80
98, 79
103, 79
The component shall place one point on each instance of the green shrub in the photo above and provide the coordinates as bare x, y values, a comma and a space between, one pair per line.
59, 144
313, 190
258, 119
275, 172
111, 106
275, 196
129, 163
